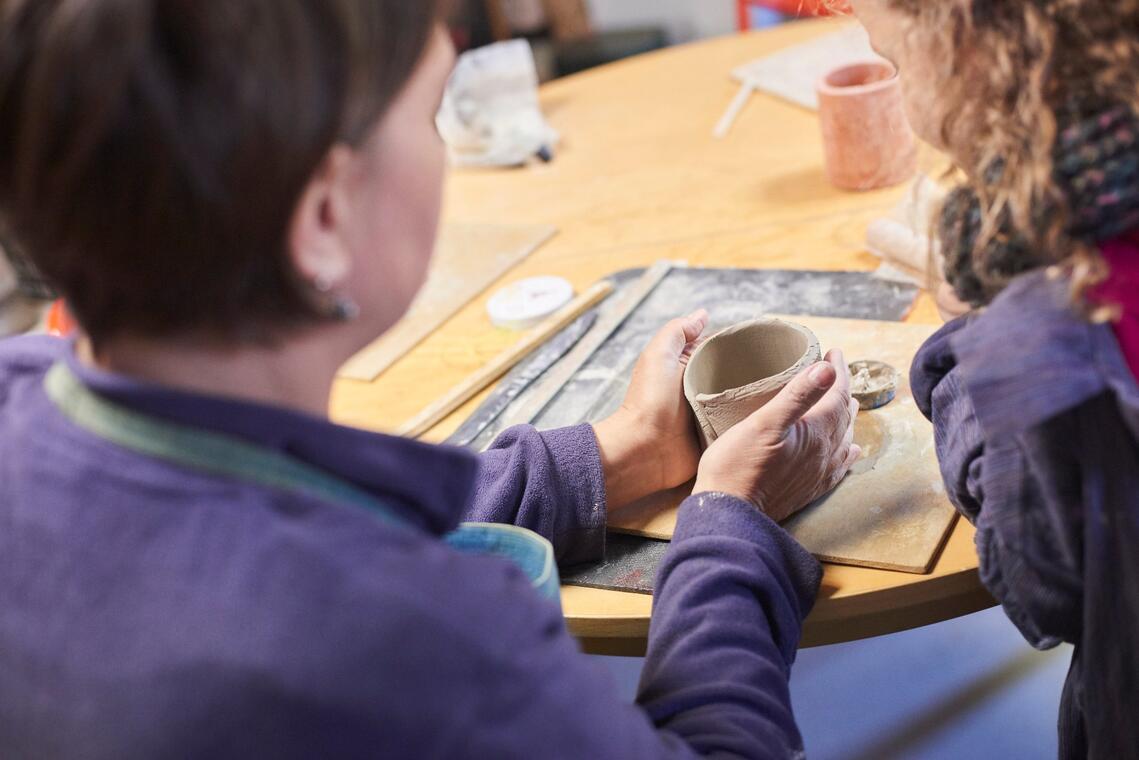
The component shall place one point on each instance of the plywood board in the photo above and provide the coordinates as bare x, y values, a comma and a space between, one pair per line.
468, 259
891, 512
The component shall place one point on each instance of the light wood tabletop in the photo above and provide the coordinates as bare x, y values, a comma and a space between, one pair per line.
638, 177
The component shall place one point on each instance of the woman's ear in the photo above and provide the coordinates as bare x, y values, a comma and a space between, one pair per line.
318, 238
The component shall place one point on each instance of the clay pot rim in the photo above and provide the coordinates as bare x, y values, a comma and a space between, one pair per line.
692, 395
826, 88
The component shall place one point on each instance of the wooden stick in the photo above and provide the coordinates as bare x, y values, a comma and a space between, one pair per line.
552, 382
724, 126
504, 362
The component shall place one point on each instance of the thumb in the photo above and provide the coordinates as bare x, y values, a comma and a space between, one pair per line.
796, 399
678, 334
693, 325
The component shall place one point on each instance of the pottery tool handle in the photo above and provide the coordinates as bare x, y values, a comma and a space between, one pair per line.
504, 362
724, 125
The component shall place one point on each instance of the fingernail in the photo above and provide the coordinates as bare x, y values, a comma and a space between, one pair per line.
856, 450
821, 372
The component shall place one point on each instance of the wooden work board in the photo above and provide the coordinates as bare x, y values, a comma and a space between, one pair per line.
891, 512
468, 259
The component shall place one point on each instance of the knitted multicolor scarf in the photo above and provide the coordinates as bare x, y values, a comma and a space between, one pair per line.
1096, 168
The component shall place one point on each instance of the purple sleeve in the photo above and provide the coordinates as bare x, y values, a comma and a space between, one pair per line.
957, 435
551, 483
1023, 533
731, 596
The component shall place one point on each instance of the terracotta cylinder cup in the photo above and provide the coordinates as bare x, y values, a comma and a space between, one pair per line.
738, 370
867, 138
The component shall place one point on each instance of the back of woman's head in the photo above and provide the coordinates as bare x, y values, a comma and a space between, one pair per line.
1037, 103
152, 151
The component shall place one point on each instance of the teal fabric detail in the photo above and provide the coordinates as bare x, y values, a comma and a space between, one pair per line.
523, 547
197, 449
229, 457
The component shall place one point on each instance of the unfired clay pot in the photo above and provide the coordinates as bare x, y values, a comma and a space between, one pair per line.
738, 370
866, 136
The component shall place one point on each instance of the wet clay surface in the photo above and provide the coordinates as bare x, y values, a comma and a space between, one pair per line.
873, 435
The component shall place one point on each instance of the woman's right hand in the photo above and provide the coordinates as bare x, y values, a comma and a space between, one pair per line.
795, 449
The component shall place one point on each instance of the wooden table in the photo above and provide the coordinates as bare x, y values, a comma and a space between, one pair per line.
637, 178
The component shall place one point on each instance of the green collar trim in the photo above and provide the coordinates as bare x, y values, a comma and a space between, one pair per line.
199, 450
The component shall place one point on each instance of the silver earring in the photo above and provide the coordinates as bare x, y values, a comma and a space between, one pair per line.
337, 306
344, 309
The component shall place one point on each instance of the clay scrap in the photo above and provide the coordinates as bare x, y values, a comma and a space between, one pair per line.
738, 370
873, 384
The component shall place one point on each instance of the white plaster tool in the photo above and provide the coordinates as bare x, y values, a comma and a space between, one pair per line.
524, 304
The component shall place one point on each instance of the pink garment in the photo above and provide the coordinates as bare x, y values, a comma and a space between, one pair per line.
1122, 287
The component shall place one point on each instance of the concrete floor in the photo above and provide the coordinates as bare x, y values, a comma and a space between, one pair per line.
969, 687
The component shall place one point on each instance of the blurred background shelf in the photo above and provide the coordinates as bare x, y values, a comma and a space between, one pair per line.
569, 36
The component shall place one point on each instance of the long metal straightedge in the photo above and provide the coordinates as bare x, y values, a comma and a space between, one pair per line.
548, 387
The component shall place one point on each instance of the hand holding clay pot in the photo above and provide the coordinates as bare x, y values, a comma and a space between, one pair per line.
794, 449
650, 443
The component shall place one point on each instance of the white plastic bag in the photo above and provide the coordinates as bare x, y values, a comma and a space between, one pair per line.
490, 114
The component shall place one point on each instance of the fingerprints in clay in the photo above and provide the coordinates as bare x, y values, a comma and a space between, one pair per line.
738, 370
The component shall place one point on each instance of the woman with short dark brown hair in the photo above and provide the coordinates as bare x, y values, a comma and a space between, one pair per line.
234, 197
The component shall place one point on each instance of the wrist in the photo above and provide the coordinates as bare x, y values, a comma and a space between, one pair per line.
702, 487
631, 462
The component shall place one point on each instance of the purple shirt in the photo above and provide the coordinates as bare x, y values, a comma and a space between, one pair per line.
148, 610
1036, 422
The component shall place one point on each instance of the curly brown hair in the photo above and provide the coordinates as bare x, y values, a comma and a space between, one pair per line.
1014, 74
1039, 96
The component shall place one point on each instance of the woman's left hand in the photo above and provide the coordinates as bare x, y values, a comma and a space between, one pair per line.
650, 443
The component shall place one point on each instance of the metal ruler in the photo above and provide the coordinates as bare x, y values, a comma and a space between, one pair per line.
548, 387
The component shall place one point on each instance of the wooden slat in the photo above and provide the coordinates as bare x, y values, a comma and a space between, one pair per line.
469, 257
558, 376
504, 362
